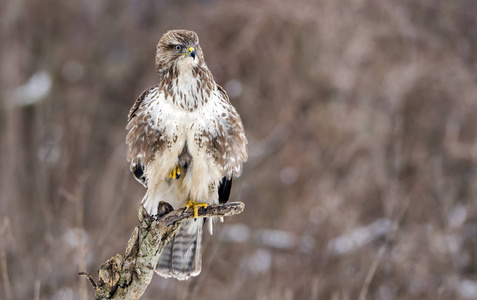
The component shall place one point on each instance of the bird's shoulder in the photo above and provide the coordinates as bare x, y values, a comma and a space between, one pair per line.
140, 100
222, 93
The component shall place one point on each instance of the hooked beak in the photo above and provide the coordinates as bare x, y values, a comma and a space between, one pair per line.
191, 52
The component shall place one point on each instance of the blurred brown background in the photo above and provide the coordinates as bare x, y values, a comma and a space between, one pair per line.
362, 122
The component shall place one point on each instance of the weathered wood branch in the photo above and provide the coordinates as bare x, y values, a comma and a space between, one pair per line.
128, 277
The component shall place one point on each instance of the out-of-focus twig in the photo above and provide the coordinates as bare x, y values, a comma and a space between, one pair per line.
114, 211
397, 219
128, 277
37, 289
80, 232
371, 272
4, 227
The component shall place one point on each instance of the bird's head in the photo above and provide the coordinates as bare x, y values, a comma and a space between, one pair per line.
179, 48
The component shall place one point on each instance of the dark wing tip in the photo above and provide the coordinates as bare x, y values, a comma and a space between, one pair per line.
224, 189
138, 172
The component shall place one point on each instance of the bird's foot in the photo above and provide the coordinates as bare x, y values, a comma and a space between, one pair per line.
175, 173
195, 205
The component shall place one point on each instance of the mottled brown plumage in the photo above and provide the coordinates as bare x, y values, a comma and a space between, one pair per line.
185, 120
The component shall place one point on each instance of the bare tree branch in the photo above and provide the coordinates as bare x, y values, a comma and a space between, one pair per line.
128, 277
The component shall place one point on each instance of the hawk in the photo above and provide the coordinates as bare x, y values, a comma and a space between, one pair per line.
186, 143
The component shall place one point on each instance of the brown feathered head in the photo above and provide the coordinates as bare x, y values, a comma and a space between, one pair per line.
179, 49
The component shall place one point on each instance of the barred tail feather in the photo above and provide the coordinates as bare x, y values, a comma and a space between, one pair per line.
181, 258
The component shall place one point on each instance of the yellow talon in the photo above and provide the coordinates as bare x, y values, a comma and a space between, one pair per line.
175, 173
195, 205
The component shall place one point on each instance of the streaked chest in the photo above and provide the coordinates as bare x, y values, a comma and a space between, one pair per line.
178, 125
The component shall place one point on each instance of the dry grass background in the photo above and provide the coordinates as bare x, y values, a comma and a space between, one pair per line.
362, 122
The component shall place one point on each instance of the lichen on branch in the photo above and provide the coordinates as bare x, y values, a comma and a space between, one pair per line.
128, 277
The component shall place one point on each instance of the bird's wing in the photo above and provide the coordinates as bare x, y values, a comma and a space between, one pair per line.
229, 146
141, 139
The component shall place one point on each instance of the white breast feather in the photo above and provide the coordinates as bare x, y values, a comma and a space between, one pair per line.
180, 126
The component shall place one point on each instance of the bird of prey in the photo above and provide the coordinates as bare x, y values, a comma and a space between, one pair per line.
186, 143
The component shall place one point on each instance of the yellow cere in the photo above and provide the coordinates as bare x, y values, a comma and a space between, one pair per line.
191, 49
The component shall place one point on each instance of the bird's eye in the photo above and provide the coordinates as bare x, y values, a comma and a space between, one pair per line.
178, 48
